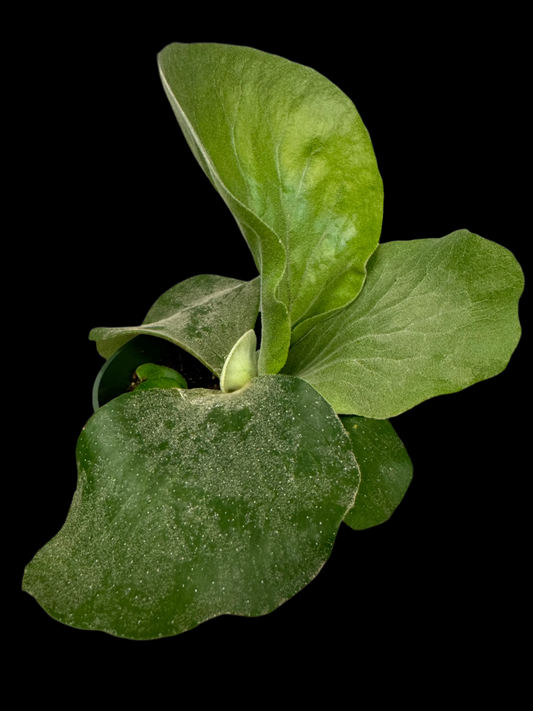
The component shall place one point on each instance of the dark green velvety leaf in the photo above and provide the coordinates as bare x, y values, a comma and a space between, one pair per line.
386, 470
205, 315
289, 154
434, 316
164, 383
196, 503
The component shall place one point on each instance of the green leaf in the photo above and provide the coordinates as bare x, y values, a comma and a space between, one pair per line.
192, 504
435, 316
241, 364
158, 376
205, 315
290, 156
386, 470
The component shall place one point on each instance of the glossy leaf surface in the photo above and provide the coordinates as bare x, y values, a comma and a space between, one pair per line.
386, 470
192, 504
158, 376
205, 315
289, 154
434, 316
150, 372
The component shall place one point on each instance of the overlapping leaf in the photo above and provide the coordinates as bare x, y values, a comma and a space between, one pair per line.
193, 503
205, 315
289, 154
434, 316
386, 470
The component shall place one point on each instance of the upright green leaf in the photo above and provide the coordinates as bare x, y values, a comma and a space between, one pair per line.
205, 315
241, 364
289, 154
386, 470
192, 504
435, 316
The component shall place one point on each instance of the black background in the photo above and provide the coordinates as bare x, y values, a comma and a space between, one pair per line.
118, 211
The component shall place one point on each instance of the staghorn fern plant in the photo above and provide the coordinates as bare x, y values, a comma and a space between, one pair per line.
196, 502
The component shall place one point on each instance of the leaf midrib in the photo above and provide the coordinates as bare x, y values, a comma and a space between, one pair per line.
208, 160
